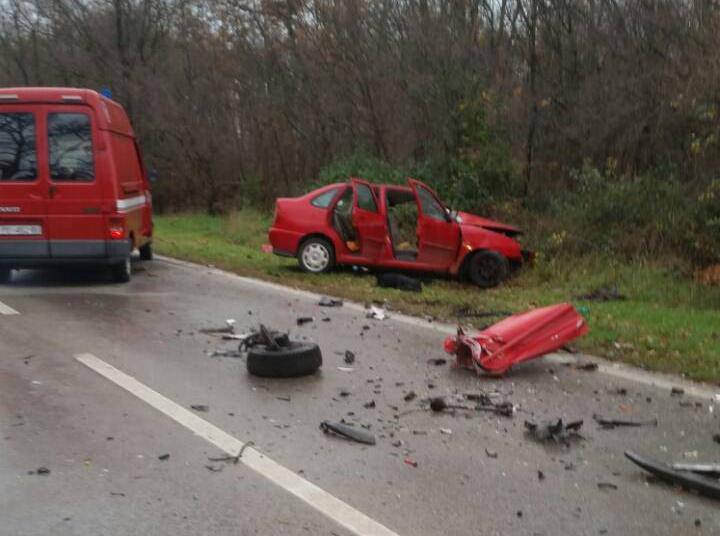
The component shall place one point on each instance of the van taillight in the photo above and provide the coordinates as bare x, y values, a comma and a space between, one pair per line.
116, 228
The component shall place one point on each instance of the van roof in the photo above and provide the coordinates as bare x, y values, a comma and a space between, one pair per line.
110, 115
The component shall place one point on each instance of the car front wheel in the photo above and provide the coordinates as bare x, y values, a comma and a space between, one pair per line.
316, 255
488, 268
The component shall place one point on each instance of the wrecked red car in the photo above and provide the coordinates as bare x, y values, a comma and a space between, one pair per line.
393, 227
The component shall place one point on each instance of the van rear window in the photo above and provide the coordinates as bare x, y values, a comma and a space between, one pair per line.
18, 153
71, 153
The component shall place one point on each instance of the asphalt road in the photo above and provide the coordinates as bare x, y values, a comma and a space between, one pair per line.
102, 443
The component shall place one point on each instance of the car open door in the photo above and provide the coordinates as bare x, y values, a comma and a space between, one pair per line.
23, 186
438, 235
367, 220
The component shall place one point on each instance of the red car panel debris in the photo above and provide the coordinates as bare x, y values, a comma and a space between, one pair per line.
516, 339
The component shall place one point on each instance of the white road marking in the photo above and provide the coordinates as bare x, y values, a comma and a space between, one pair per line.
337, 510
7, 310
616, 370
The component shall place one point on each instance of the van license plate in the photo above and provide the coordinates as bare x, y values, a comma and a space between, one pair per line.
20, 230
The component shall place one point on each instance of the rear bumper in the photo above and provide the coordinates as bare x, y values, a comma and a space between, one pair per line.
36, 253
284, 242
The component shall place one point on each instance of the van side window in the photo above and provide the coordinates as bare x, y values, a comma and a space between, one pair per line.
18, 153
71, 152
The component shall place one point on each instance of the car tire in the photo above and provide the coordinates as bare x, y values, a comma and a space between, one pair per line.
146, 252
5, 275
316, 255
297, 359
488, 269
122, 272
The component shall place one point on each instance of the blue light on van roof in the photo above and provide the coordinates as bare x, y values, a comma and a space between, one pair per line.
106, 92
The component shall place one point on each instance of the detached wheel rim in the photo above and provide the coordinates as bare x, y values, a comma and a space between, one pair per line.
316, 257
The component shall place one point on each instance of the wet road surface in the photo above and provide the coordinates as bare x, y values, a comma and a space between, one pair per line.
474, 474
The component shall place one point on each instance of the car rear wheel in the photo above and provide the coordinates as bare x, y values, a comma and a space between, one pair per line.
5, 275
488, 269
316, 255
146, 252
122, 272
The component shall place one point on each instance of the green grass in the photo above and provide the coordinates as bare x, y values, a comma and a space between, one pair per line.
667, 322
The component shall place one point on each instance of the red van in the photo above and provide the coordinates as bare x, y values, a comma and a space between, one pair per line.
73, 187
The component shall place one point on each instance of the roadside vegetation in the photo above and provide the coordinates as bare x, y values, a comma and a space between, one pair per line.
667, 321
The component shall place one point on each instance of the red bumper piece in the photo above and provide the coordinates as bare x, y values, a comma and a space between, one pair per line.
516, 339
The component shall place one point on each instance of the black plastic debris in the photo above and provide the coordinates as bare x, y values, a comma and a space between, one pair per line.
609, 424
348, 432
491, 453
42, 471
369, 405
399, 281
349, 357
606, 485
556, 431
603, 294
410, 396
437, 361
677, 391
302, 320
590, 366
326, 301
200, 407
709, 487
164, 457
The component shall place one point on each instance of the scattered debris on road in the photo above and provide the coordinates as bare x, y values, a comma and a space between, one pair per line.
376, 313
705, 486
412, 463
609, 424
302, 320
603, 294
677, 391
556, 431
589, 366
437, 361
200, 407
516, 339
326, 301
348, 432
399, 281
164, 457
607, 485
410, 396
349, 357
40, 471
228, 328
491, 453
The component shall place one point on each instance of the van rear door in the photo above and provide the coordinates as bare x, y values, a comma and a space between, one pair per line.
76, 223
23, 187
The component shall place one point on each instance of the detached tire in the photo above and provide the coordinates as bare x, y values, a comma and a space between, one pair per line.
121, 272
316, 255
488, 269
298, 359
146, 252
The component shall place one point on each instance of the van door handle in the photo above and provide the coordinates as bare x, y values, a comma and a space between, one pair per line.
51, 191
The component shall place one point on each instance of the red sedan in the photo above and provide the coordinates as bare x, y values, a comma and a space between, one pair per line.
392, 227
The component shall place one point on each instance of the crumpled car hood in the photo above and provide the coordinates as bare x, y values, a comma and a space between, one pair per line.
490, 225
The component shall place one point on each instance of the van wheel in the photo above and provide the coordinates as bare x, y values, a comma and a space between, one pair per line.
5, 275
488, 269
121, 272
146, 252
316, 255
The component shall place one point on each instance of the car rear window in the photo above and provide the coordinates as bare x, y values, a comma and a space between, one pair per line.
18, 152
71, 152
365, 199
323, 200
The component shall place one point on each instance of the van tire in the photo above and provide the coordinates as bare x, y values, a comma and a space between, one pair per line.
488, 269
146, 252
297, 359
122, 272
5, 275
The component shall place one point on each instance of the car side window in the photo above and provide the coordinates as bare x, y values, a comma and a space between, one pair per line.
430, 206
71, 152
323, 200
365, 199
18, 152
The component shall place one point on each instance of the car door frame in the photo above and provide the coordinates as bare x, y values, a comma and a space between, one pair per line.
438, 241
371, 227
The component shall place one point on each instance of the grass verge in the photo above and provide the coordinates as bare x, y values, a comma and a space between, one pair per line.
667, 323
